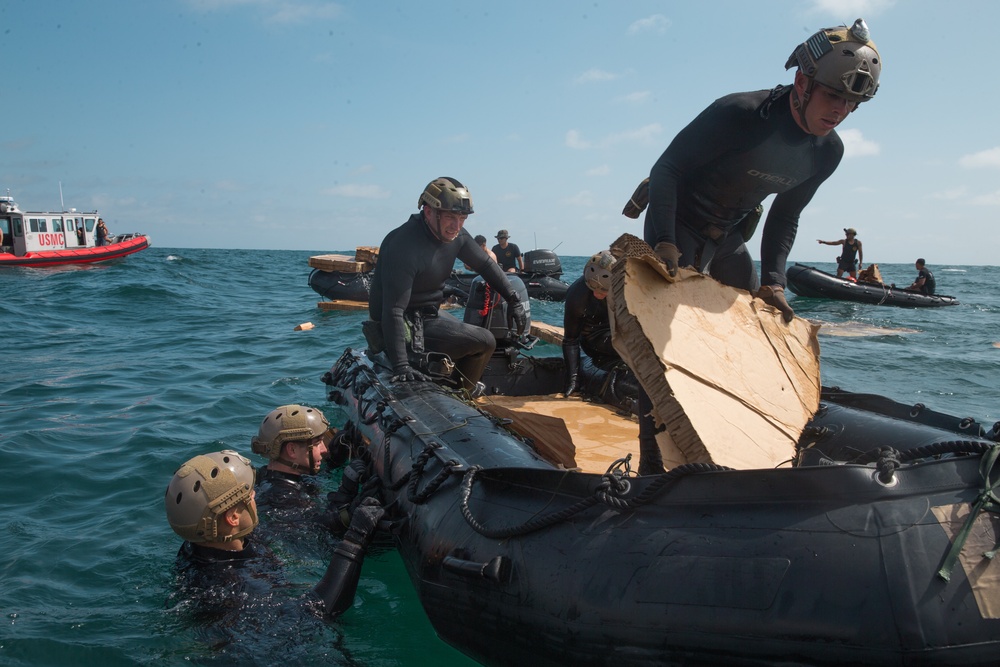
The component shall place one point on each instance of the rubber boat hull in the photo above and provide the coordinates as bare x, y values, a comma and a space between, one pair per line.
342, 285
131, 243
829, 561
807, 281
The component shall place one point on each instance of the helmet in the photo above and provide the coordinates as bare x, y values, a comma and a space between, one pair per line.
447, 194
285, 424
597, 272
844, 59
205, 488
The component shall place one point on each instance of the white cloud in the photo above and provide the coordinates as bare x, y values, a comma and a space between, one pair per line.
655, 23
276, 11
991, 199
855, 145
573, 140
584, 198
987, 158
636, 97
603, 170
643, 135
595, 75
951, 195
852, 8
355, 191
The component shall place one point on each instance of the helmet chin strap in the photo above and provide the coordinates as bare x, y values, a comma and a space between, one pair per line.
435, 232
799, 106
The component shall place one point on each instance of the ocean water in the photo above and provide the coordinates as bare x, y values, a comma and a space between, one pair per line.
114, 374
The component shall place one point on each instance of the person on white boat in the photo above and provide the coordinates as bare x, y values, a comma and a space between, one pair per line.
81, 236
102, 232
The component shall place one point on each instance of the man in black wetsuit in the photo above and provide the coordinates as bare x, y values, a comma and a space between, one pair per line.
745, 147
586, 323
851, 250
407, 288
924, 282
295, 439
223, 572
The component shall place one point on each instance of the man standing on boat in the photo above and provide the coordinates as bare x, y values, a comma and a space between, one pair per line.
852, 248
508, 254
924, 283
704, 189
407, 288
102, 232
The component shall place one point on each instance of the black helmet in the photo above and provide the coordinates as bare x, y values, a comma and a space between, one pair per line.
447, 194
843, 58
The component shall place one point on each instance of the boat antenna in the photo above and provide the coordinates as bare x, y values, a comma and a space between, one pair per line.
61, 203
556, 246
536, 239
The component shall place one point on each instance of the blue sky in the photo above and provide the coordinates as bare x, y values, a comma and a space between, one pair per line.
313, 125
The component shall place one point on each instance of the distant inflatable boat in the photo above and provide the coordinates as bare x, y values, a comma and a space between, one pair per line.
810, 282
540, 277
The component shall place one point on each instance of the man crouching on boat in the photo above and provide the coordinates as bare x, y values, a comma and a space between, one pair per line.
407, 288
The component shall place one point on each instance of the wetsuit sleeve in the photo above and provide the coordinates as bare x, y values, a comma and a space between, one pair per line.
573, 315
783, 219
397, 283
716, 131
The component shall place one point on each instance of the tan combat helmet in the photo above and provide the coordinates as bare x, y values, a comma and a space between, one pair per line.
286, 424
447, 194
842, 58
203, 489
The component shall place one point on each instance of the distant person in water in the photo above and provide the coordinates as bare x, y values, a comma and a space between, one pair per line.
481, 240
852, 257
924, 283
407, 289
507, 255
210, 504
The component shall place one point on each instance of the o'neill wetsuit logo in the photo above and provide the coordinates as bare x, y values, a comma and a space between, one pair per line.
773, 178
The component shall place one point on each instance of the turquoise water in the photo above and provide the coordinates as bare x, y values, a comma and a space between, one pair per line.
115, 374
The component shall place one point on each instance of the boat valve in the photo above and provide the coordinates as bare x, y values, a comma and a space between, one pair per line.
885, 467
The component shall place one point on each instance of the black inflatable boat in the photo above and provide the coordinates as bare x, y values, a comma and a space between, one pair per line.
540, 277
866, 549
810, 282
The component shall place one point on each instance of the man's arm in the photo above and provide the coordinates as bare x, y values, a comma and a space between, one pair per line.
861, 255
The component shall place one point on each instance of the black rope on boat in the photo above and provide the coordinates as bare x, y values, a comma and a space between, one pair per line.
605, 493
387, 433
987, 501
529, 526
417, 471
887, 464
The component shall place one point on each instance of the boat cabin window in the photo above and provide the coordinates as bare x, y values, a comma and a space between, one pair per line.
57, 225
90, 224
18, 226
38, 225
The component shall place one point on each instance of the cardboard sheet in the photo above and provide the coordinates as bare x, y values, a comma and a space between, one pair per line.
733, 383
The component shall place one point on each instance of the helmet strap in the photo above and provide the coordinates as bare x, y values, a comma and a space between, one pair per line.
434, 232
799, 104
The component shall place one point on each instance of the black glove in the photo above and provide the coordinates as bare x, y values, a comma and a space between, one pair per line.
405, 373
669, 255
571, 357
364, 521
774, 295
517, 314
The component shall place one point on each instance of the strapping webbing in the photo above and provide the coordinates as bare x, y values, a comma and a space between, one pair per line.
986, 501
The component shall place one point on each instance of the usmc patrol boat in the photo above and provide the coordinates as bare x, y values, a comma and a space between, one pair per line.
35, 239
